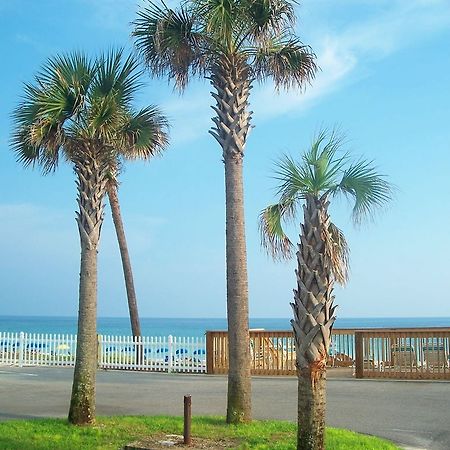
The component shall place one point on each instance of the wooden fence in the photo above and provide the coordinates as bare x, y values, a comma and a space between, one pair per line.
408, 353
161, 354
273, 352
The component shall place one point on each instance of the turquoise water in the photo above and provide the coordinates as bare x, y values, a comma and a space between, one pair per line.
194, 327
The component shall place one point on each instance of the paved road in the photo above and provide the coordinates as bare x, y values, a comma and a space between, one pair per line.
414, 413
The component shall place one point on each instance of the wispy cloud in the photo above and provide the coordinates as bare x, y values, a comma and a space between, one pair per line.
347, 54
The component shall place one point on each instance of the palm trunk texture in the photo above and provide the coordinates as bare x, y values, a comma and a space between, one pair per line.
91, 185
313, 321
230, 80
125, 256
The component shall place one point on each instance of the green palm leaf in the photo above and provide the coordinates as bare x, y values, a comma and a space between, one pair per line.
144, 134
369, 190
286, 60
268, 18
323, 172
168, 42
273, 238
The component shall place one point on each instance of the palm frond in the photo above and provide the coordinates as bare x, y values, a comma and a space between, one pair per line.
294, 180
62, 85
143, 134
38, 131
219, 20
367, 187
116, 77
287, 61
273, 238
322, 160
267, 18
168, 42
337, 252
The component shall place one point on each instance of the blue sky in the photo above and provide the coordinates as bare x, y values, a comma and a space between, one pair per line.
384, 80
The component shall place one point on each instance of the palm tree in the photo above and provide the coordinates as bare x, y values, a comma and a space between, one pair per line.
322, 258
113, 197
79, 109
232, 43
159, 124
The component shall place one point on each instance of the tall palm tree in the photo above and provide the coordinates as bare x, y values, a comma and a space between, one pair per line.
113, 197
80, 109
159, 124
232, 43
322, 258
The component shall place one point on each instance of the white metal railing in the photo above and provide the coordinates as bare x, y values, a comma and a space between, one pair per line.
161, 354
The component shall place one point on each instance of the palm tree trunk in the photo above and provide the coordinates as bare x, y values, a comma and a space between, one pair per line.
230, 79
239, 376
126, 263
91, 185
313, 321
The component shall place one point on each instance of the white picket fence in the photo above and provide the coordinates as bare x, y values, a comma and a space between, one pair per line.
160, 354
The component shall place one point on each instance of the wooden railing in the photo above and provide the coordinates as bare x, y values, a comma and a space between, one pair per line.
273, 352
409, 353
405, 353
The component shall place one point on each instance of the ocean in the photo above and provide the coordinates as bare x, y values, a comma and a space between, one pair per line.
120, 326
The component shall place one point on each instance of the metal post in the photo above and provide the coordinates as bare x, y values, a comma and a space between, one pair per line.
187, 420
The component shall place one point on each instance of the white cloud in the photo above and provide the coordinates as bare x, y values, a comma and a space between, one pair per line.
344, 56
335, 63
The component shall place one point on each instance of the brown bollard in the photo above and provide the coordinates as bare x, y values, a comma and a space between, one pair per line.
187, 420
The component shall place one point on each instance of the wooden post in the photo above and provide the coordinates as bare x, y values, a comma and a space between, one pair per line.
187, 420
209, 352
359, 355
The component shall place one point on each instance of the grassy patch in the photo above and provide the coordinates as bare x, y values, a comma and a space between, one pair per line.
115, 432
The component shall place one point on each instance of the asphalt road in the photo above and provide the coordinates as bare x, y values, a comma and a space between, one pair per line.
412, 413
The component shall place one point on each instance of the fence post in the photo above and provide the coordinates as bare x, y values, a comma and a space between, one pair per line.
359, 355
209, 352
21, 348
187, 420
99, 350
170, 354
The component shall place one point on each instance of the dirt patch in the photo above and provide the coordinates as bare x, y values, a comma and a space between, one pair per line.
174, 441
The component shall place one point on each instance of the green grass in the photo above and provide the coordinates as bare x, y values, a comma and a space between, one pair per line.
115, 432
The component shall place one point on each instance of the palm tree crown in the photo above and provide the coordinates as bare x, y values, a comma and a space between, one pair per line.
322, 174
202, 33
77, 104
